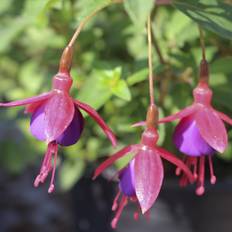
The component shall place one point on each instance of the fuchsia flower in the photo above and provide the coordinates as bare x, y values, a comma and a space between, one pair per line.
56, 118
200, 132
141, 180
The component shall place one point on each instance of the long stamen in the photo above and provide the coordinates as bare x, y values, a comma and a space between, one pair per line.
45, 168
148, 215
52, 186
213, 178
136, 213
194, 164
122, 204
201, 179
115, 202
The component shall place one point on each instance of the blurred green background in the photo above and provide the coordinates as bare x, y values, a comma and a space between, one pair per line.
109, 71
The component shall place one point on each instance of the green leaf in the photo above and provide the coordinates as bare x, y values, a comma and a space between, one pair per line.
138, 10
94, 91
121, 90
213, 15
71, 171
138, 76
222, 65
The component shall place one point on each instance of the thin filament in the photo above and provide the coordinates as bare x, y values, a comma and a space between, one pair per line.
85, 21
202, 42
151, 80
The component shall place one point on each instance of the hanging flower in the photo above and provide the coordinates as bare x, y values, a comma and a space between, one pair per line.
200, 132
141, 180
56, 118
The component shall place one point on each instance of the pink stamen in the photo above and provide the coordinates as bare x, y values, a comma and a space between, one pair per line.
136, 215
122, 204
148, 216
115, 202
47, 167
213, 178
52, 186
201, 179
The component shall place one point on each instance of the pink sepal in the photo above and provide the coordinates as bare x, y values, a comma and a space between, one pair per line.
28, 101
224, 117
142, 123
212, 128
172, 159
181, 114
59, 112
93, 113
30, 109
148, 177
113, 158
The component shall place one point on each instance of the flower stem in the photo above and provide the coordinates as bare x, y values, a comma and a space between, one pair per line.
204, 69
202, 42
150, 66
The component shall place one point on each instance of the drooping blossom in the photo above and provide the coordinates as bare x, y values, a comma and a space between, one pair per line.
200, 133
141, 180
56, 118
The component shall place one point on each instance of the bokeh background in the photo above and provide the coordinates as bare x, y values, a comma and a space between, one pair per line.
110, 73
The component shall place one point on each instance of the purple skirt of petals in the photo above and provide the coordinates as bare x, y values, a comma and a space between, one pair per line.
69, 137
188, 139
126, 183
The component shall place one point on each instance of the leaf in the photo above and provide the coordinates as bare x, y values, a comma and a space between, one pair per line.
222, 65
138, 76
30, 14
139, 11
94, 91
121, 90
71, 171
213, 15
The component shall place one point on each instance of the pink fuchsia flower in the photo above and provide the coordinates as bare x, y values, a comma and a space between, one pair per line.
201, 131
56, 118
141, 180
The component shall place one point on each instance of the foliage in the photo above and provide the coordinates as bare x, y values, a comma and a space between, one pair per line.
109, 68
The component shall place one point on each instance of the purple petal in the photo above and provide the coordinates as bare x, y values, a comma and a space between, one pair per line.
68, 137
127, 183
37, 125
188, 139
72, 134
